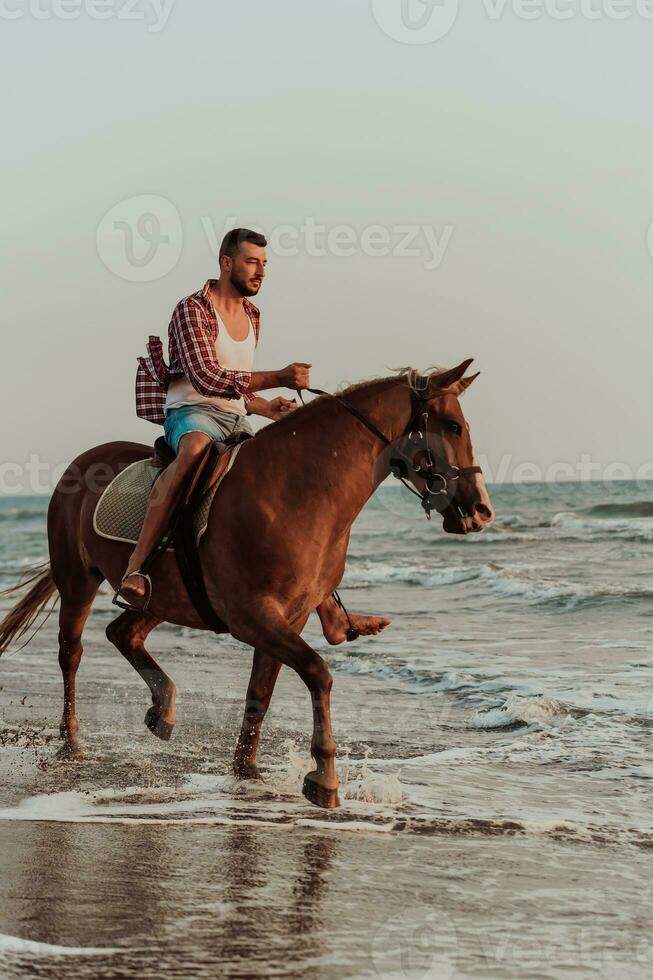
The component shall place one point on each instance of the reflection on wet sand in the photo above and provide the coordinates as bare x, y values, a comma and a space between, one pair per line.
258, 898
263, 912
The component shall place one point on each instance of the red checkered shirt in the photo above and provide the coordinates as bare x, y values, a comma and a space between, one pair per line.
191, 354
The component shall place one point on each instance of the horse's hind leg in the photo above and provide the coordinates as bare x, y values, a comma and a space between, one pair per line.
265, 670
128, 633
72, 617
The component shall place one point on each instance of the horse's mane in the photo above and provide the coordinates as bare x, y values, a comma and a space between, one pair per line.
405, 375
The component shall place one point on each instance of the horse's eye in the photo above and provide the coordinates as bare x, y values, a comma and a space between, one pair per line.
453, 427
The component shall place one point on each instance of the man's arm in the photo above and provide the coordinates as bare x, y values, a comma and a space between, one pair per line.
208, 377
294, 376
275, 409
197, 355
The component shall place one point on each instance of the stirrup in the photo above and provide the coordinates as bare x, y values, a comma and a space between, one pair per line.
126, 605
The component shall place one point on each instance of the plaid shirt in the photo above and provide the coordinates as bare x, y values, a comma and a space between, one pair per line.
191, 354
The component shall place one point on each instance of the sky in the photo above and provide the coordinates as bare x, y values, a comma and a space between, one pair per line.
437, 181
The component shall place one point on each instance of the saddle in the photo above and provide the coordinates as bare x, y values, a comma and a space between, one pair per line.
181, 532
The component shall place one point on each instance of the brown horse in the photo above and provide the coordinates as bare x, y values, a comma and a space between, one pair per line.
274, 549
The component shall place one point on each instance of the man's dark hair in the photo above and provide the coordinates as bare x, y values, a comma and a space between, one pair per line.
233, 240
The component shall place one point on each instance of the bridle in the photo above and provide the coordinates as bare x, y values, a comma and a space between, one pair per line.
436, 471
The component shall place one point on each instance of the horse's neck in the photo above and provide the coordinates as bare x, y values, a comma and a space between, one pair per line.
386, 403
337, 456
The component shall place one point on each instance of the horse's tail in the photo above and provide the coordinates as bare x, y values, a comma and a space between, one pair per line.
20, 618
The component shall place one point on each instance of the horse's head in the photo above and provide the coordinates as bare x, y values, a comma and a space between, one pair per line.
442, 454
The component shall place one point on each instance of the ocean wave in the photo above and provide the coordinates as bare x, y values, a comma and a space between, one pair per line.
21, 564
521, 711
638, 508
428, 680
385, 573
496, 534
514, 581
23, 514
524, 583
371, 802
604, 527
508, 520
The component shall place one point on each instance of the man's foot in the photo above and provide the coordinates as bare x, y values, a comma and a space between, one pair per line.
133, 585
336, 631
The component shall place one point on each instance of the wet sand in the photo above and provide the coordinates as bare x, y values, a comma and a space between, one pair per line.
149, 860
494, 750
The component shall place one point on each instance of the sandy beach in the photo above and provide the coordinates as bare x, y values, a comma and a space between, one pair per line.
491, 825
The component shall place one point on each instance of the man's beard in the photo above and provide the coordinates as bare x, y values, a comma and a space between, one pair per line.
243, 286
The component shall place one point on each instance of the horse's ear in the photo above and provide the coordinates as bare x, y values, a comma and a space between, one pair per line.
447, 379
464, 384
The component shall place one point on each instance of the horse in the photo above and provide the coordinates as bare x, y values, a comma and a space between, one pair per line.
274, 548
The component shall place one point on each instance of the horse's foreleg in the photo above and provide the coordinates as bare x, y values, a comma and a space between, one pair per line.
336, 623
128, 633
273, 637
265, 670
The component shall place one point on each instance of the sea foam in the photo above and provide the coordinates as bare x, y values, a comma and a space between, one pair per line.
16, 945
521, 711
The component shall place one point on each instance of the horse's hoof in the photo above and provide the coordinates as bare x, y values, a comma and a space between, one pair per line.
319, 795
162, 729
70, 753
244, 771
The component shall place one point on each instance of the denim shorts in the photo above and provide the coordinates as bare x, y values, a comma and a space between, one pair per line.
215, 423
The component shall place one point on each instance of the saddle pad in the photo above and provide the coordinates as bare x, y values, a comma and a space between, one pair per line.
120, 511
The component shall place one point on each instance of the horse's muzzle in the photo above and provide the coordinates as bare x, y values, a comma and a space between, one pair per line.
455, 522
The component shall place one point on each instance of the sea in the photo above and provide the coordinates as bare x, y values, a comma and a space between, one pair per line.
494, 751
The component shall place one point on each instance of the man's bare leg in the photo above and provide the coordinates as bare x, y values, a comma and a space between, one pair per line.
335, 623
163, 497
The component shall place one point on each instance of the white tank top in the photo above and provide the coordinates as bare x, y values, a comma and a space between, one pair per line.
236, 355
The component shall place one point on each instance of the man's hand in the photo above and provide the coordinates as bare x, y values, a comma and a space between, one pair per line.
278, 408
295, 376
275, 409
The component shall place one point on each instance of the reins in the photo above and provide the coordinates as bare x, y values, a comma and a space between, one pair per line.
400, 464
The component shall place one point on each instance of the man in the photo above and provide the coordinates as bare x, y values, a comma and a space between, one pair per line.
208, 390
